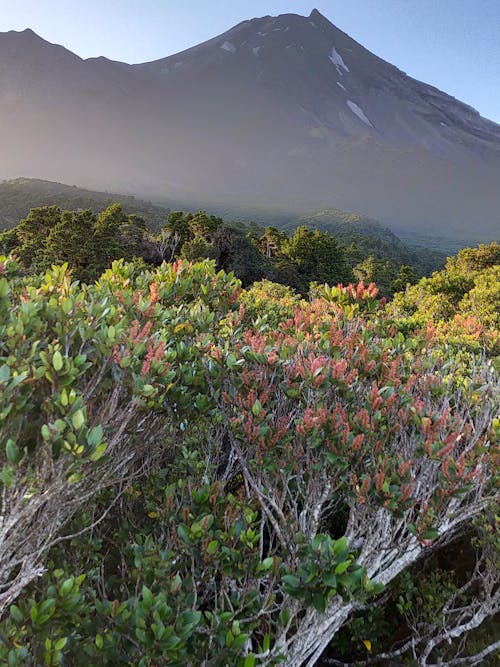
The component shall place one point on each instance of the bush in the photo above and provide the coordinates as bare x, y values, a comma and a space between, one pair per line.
247, 483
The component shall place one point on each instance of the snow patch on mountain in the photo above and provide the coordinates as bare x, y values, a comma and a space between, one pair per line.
358, 111
341, 86
227, 46
256, 50
337, 60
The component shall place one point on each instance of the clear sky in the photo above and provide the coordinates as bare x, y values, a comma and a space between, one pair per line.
452, 44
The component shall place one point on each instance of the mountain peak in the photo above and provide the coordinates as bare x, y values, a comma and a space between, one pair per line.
26, 33
315, 14
26, 38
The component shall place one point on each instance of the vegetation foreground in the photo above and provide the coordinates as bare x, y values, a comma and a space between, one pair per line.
196, 474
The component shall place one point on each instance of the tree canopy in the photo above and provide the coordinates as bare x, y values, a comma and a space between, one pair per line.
90, 241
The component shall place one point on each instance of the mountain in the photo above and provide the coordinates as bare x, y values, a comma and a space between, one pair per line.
20, 195
280, 113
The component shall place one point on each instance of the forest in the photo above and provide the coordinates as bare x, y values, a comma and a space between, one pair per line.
223, 444
331, 251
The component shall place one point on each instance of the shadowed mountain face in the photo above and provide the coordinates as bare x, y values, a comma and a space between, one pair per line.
282, 112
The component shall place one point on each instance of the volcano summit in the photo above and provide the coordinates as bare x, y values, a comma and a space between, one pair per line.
284, 112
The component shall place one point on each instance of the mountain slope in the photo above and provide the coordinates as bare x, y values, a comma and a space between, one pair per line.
20, 195
282, 112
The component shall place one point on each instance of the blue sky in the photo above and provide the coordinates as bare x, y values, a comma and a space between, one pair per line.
452, 44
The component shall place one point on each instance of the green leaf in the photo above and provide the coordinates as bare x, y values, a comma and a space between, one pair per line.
12, 451
34, 613
57, 361
78, 420
64, 398
256, 408
67, 306
16, 614
342, 567
340, 545
240, 640
430, 534
147, 596
249, 660
176, 583
183, 533
7, 476
330, 580
67, 586
284, 617
291, 580
4, 373
4, 288
99, 452
61, 643
319, 602
99, 641
212, 547
191, 618
95, 435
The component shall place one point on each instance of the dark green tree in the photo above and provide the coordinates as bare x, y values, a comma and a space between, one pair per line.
32, 233
235, 252
317, 256
72, 240
271, 242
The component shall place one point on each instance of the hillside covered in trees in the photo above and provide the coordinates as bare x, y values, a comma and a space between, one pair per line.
321, 248
18, 196
220, 446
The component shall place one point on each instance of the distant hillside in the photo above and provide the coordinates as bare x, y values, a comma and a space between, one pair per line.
343, 223
18, 196
371, 238
450, 245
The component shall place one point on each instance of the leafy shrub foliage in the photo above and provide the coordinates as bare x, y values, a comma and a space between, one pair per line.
461, 302
187, 480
